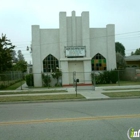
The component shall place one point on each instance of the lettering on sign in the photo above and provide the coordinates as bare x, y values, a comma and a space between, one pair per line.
75, 51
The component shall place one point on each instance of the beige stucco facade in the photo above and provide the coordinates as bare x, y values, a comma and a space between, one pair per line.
74, 31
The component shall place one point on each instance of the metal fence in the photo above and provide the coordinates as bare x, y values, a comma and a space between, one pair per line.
66, 79
87, 80
128, 76
10, 77
83, 80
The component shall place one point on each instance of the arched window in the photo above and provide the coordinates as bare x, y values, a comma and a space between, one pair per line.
50, 63
98, 62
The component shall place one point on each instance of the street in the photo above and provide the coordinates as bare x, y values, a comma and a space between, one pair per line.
83, 120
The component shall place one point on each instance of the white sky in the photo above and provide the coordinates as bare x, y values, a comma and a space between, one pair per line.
17, 16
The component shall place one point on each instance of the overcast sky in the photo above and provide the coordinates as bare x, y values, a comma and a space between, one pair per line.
17, 16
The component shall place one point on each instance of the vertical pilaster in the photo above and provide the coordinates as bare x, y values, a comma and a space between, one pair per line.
74, 40
111, 54
65, 72
87, 72
36, 54
62, 32
85, 32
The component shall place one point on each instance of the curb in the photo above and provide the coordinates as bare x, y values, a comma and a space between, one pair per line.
68, 100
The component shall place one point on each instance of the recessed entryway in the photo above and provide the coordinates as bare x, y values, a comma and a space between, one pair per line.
78, 68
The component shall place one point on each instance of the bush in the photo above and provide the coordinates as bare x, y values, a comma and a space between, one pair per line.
30, 80
46, 80
3, 86
3, 77
113, 76
106, 77
56, 75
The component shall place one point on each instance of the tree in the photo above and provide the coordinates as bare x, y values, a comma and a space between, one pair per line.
120, 61
120, 48
137, 52
6, 48
20, 66
20, 56
14, 58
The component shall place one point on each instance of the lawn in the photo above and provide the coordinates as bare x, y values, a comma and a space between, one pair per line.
15, 86
123, 94
31, 92
120, 83
121, 89
43, 98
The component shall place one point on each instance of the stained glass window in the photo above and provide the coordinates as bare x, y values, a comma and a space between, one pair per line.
98, 62
50, 63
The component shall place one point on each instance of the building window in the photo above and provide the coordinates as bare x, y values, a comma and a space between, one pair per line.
50, 63
98, 62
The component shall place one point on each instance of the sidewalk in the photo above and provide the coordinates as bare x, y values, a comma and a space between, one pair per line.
88, 94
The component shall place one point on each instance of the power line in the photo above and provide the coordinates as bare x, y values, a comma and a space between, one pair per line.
89, 38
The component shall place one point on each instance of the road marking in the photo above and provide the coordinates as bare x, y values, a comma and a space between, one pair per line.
70, 119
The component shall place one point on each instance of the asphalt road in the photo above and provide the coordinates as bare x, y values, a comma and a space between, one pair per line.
83, 120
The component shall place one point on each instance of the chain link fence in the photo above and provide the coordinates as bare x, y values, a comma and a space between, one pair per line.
88, 80
128, 76
83, 80
66, 79
9, 78
44, 80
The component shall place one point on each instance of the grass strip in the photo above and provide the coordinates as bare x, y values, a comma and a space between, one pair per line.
121, 83
15, 86
121, 89
31, 92
43, 97
122, 94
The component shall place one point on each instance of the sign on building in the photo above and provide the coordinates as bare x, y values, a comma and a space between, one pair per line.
75, 51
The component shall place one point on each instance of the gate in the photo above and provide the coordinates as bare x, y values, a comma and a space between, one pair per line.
86, 80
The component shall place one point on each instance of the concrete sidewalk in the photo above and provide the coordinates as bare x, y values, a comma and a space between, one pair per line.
88, 94
91, 94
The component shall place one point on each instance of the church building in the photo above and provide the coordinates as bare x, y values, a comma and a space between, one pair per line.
73, 47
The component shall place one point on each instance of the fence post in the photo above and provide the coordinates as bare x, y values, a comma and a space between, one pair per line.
48, 80
74, 78
14, 75
21, 80
93, 79
118, 78
11, 76
76, 88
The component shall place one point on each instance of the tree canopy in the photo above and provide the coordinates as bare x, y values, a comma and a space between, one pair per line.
6, 49
120, 61
20, 66
137, 52
20, 56
14, 58
120, 48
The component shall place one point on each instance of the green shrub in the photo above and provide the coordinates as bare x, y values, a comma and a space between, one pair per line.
3, 86
3, 77
106, 77
113, 76
46, 80
56, 75
30, 80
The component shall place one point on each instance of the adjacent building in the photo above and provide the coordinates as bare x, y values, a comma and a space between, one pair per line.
73, 47
133, 61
